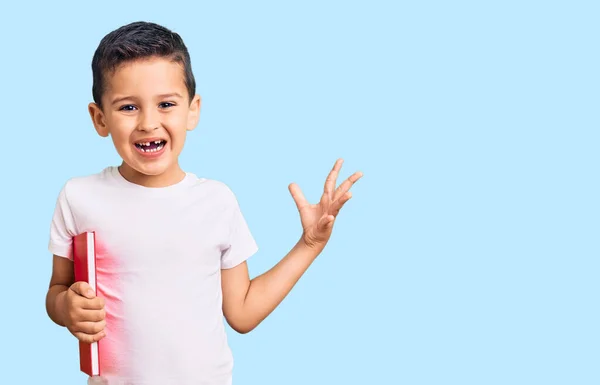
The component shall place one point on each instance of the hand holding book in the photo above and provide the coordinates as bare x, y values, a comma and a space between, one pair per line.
83, 312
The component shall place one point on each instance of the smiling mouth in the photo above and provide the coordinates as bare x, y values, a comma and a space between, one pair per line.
154, 146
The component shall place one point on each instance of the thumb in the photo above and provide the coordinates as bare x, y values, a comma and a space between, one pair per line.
83, 289
297, 195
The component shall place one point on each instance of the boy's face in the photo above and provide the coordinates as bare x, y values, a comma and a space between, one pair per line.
147, 113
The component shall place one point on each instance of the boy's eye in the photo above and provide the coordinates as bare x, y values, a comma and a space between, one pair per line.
130, 107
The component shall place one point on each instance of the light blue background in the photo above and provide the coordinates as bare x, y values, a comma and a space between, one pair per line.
469, 252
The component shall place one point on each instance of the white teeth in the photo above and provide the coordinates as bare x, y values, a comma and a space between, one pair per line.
160, 147
149, 143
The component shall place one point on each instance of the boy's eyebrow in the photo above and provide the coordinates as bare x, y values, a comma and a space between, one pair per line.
117, 100
170, 95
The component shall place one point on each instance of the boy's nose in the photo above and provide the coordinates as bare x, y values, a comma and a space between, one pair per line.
148, 121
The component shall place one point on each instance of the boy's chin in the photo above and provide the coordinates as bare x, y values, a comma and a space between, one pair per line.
156, 169
153, 171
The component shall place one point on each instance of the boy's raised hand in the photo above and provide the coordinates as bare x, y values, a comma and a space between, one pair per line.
83, 313
318, 219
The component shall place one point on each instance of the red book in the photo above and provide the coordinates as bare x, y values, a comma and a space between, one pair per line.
84, 264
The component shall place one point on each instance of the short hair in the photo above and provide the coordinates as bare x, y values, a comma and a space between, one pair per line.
134, 41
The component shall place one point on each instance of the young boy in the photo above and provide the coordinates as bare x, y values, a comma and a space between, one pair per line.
171, 247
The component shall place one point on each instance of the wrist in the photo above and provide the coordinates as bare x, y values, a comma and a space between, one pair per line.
310, 247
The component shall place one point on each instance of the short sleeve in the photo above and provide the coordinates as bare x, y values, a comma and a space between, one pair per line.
62, 228
241, 244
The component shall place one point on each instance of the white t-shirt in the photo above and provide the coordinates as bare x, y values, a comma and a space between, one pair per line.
160, 252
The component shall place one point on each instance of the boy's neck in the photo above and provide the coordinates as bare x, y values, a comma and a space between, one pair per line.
170, 177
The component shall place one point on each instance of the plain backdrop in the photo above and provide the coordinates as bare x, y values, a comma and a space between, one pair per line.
469, 252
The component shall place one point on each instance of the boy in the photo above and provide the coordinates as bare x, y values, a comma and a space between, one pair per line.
171, 247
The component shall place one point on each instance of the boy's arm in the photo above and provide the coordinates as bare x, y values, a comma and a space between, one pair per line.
246, 303
73, 304
62, 278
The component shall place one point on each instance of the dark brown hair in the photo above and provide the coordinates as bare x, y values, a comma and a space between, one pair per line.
138, 40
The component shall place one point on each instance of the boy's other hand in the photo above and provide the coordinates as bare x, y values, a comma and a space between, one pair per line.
317, 219
83, 312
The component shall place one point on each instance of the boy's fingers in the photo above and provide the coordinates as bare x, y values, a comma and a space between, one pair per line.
93, 315
331, 178
90, 328
325, 222
96, 303
90, 338
83, 289
347, 184
338, 204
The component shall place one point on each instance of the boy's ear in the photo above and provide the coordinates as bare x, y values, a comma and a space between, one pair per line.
98, 119
194, 113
